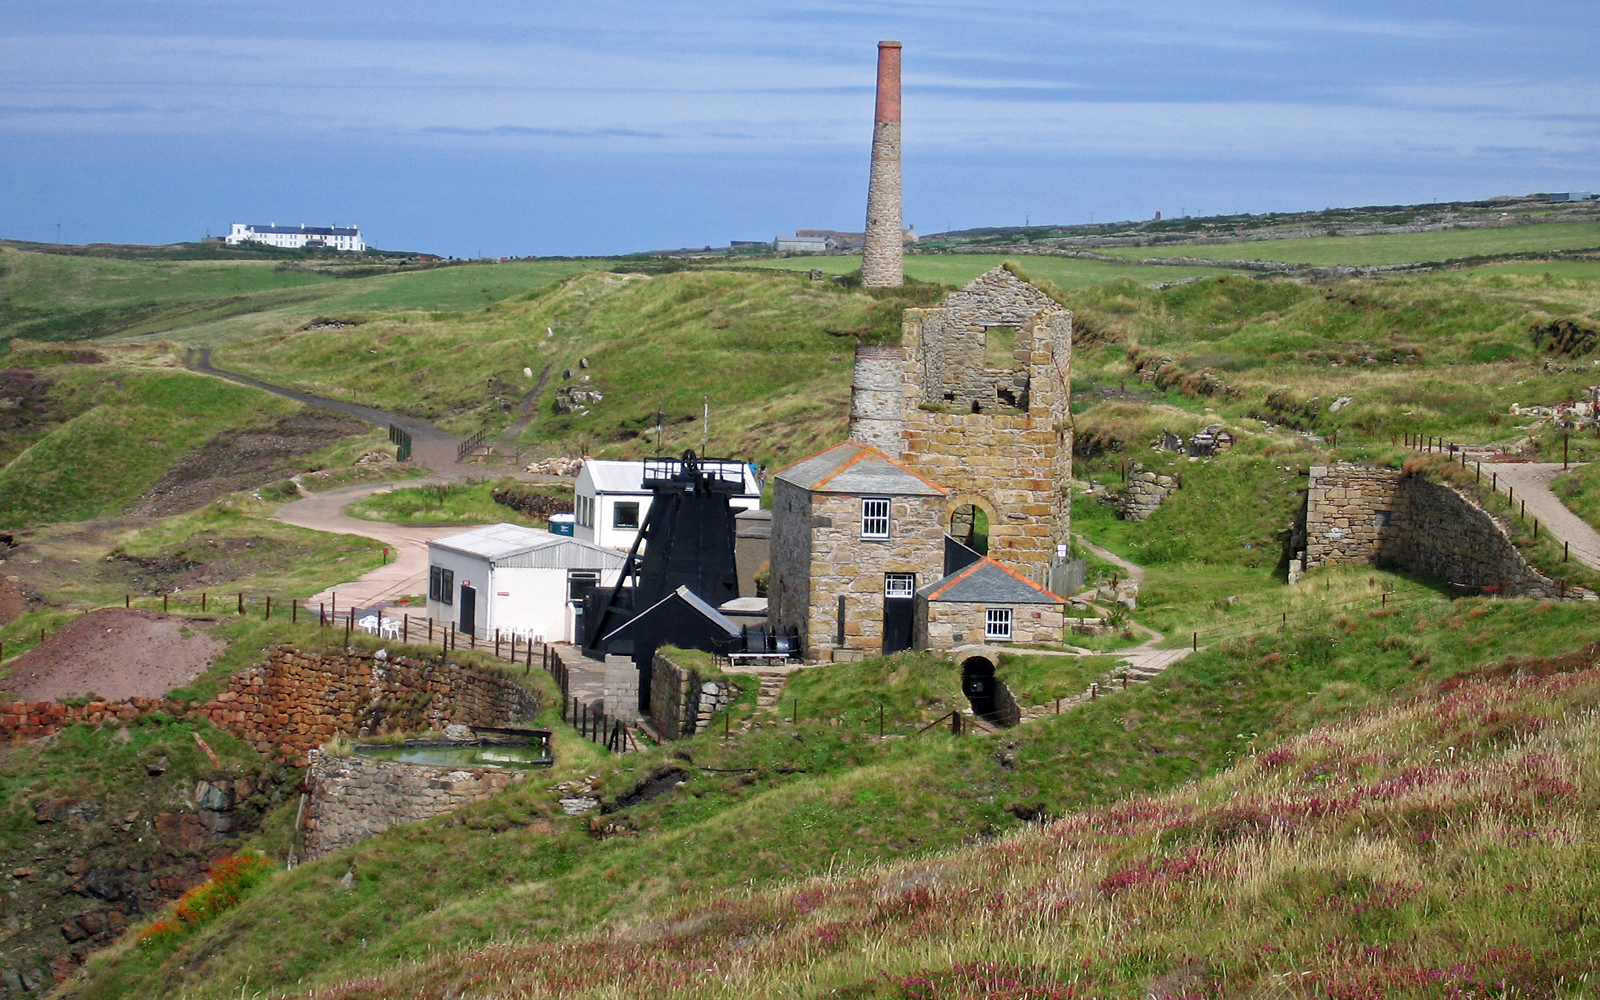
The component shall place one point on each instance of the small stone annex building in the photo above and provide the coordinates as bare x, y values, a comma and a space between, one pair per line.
968, 414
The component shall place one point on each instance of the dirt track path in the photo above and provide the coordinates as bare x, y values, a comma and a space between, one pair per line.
407, 571
1531, 483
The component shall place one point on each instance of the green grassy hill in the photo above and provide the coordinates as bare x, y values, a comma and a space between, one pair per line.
52, 296
782, 802
773, 353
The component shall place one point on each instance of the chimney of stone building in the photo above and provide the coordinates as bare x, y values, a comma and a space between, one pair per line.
883, 262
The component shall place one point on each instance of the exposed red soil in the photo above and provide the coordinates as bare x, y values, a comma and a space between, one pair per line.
114, 654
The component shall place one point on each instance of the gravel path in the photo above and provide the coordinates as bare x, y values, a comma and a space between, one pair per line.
1530, 482
407, 571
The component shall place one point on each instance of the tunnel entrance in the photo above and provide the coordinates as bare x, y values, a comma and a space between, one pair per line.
991, 700
978, 683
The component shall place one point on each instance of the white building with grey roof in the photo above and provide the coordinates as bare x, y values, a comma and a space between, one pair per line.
301, 237
517, 580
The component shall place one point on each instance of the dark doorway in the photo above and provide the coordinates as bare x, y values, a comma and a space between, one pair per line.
469, 610
979, 685
899, 610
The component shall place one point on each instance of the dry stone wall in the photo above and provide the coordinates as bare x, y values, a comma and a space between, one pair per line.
1358, 514
353, 798
681, 701
1146, 492
298, 701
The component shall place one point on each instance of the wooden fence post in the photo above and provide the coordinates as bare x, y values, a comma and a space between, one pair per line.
163, 603
127, 601
294, 611
268, 616
349, 623
241, 604
497, 644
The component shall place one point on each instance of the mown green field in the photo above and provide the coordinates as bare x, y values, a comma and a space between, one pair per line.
1399, 248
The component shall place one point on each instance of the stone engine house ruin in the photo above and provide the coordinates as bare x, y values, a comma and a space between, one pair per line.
965, 421
975, 398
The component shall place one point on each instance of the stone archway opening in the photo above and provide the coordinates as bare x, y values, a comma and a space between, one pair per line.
969, 525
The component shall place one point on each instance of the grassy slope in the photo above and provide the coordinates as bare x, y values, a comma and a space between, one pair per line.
755, 344
1443, 847
854, 800
48, 297
1401, 248
139, 424
1443, 354
1580, 491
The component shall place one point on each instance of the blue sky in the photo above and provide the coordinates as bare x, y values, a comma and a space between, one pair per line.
603, 127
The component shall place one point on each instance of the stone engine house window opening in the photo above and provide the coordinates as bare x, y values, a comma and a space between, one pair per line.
969, 525
900, 585
997, 624
1000, 347
1383, 518
875, 517
441, 585
625, 515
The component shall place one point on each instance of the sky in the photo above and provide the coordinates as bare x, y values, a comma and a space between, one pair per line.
557, 128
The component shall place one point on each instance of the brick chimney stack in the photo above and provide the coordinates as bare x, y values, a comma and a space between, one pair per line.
882, 263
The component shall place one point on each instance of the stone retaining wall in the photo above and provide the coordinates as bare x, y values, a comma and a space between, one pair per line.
352, 798
1364, 514
298, 701
681, 702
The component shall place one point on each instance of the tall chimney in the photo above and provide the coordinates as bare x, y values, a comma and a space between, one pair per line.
882, 262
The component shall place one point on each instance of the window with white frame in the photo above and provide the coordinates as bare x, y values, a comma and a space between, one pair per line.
585, 511
899, 584
875, 517
997, 623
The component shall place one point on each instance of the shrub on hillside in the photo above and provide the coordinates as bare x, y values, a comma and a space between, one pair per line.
230, 880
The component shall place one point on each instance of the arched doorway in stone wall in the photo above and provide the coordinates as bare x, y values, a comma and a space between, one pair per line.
969, 525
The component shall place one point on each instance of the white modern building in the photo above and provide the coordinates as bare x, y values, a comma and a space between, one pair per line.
517, 580
611, 502
298, 237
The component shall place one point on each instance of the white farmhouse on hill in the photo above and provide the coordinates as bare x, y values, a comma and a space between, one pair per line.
610, 502
299, 237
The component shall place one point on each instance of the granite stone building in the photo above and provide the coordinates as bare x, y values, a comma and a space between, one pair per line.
874, 542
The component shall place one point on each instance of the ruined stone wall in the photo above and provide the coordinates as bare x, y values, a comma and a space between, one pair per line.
1145, 494
1016, 459
1432, 529
943, 624
681, 701
789, 595
297, 701
353, 798
875, 398
843, 564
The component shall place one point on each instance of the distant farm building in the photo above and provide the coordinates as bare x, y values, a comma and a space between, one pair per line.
298, 237
800, 244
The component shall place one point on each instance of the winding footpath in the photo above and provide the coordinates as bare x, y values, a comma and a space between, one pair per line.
1529, 482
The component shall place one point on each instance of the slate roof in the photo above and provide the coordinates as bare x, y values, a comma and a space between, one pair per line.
988, 582
683, 595
304, 230
515, 547
854, 468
